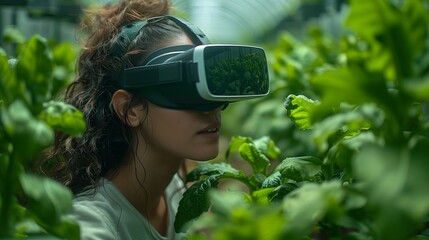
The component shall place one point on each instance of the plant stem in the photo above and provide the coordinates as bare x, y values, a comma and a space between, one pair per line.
7, 195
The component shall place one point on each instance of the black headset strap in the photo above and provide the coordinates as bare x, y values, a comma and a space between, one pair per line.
197, 36
130, 31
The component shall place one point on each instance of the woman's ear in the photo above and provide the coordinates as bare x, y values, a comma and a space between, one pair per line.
130, 115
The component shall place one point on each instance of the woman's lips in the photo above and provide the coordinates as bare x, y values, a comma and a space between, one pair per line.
212, 128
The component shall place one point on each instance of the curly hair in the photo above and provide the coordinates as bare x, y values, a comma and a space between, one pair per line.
82, 161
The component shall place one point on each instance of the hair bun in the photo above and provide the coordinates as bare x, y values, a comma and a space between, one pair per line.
103, 23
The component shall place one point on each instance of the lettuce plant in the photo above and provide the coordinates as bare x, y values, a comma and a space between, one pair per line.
32, 205
366, 122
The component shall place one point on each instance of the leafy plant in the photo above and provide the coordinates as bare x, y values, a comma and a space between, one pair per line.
30, 204
365, 116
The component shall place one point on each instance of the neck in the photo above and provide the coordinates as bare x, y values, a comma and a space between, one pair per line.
143, 183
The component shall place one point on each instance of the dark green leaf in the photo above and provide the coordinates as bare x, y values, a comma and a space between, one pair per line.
208, 169
63, 117
281, 191
274, 180
195, 201
305, 168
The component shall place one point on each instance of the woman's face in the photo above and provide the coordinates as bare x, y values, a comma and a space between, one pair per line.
184, 134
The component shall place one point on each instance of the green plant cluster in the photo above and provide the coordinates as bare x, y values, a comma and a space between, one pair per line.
30, 79
361, 105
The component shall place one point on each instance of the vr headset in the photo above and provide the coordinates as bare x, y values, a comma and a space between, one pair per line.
198, 77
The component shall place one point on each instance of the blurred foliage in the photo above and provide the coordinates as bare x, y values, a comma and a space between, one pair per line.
350, 117
30, 80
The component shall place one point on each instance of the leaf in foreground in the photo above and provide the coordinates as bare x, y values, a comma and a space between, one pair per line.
195, 201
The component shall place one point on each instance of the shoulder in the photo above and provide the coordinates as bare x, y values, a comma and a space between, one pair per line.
95, 217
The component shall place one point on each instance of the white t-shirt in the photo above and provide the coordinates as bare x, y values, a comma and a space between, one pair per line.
108, 214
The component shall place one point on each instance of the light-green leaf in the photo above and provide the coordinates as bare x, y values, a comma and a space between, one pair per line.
347, 124
267, 146
63, 117
235, 144
27, 134
394, 180
257, 160
13, 35
298, 110
307, 205
35, 67
7, 81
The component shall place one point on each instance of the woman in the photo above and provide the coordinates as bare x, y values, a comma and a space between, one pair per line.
124, 169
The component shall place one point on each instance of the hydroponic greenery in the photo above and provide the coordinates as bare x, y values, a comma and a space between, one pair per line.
30, 79
360, 108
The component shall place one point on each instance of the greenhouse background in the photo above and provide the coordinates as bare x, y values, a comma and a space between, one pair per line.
337, 150
223, 21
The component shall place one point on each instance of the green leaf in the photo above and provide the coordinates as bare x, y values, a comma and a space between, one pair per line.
305, 168
345, 125
13, 35
208, 169
46, 199
281, 191
27, 134
64, 56
352, 85
395, 35
274, 180
298, 110
394, 180
195, 201
235, 144
306, 206
416, 20
267, 146
67, 228
35, 67
261, 196
7, 81
257, 160
63, 117
418, 89
225, 202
